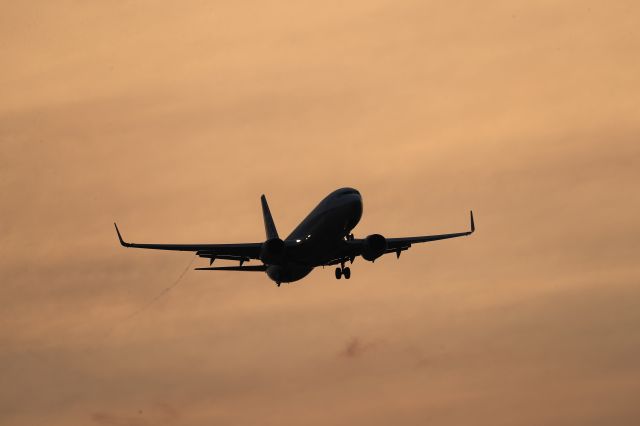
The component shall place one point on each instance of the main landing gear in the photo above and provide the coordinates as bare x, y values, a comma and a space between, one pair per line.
340, 271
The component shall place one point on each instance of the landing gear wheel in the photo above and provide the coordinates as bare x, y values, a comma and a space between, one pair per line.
347, 273
338, 273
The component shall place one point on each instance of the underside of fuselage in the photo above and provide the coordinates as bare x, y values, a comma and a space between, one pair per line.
318, 238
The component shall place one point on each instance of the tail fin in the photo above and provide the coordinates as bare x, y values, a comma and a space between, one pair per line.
269, 226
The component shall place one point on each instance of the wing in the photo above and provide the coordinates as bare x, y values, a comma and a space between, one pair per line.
394, 244
241, 252
354, 248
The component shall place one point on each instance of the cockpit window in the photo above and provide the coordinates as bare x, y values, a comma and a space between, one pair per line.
348, 191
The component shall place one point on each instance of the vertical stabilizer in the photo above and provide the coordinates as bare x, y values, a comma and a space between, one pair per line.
269, 226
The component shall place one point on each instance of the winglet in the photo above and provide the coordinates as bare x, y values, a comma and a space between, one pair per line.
120, 236
473, 225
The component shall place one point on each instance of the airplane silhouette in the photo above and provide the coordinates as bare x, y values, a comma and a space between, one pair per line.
323, 238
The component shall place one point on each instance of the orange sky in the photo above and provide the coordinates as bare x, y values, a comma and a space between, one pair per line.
173, 117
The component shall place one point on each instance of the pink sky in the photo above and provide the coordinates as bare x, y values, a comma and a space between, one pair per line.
173, 117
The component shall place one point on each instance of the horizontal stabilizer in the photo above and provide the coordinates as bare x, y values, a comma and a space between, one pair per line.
249, 268
215, 256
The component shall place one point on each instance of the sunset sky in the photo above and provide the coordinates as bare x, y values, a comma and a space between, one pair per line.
172, 118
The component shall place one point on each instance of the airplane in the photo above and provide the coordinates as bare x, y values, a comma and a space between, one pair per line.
323, 238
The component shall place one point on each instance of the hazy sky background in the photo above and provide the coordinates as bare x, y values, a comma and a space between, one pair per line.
173, 117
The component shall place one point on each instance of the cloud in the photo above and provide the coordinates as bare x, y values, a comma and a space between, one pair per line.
107, 419
157, 414
173, 120
355, 348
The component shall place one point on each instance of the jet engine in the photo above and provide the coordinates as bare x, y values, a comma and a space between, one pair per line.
374, 247
272, 251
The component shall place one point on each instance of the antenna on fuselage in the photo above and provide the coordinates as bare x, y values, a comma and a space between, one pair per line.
269, 225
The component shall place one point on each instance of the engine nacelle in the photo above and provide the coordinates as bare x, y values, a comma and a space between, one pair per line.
374, 247
272, 251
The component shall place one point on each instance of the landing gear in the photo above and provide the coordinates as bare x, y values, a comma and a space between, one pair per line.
343, 271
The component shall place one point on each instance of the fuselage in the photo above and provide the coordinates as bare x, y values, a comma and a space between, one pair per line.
320, 236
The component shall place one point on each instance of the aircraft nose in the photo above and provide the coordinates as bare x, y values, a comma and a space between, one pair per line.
353, 202
352, 198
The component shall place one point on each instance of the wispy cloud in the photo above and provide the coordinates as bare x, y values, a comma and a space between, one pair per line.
173, 119
355, 348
